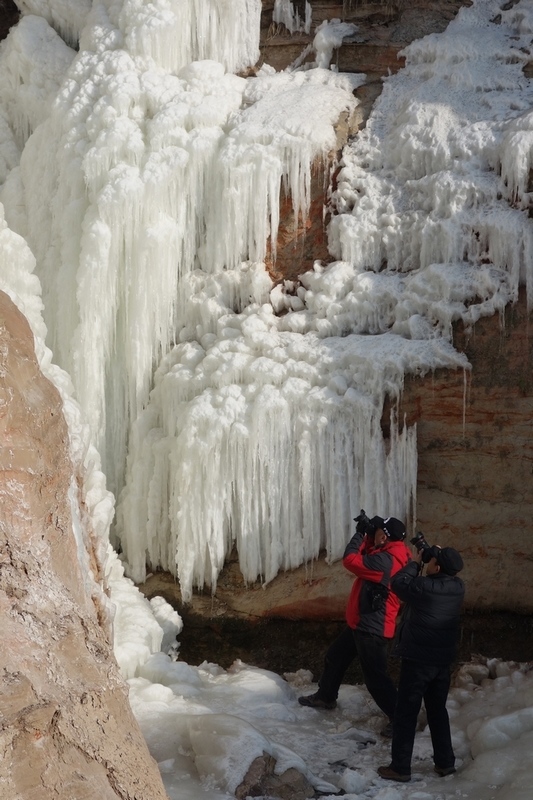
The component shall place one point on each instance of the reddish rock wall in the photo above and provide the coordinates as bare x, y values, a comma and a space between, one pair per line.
67, 731
475, 458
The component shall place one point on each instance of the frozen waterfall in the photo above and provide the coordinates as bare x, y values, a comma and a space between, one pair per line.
229, 411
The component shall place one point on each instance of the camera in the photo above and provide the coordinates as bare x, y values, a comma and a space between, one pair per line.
364, 525
428, 551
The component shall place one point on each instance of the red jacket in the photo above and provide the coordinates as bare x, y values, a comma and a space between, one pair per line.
372, 607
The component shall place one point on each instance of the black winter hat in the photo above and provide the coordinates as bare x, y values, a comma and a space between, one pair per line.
450, 561
394, 529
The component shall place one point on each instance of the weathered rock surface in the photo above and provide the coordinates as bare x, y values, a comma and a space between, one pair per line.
66, 729
475, 458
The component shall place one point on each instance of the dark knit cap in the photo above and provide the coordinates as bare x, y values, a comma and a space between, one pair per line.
450, 561
394, 529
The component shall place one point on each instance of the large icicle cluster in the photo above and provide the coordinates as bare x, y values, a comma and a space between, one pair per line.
436, 182
285, 13
268, 440
175, 34
148, 175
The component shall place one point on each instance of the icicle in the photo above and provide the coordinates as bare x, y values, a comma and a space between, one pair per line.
267, 441
193, 30
67, 18
328, 37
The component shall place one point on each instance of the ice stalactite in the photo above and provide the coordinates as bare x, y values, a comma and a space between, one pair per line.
66, 17
274, 469
328, 37
174, 35
31, 76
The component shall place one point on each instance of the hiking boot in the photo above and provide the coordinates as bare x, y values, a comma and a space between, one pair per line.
386, 732
315, 701
390, 774
443, 771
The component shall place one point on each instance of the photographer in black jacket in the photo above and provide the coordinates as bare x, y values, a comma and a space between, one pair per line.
426, 642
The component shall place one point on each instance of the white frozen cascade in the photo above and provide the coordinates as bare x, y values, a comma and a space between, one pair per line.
145, 174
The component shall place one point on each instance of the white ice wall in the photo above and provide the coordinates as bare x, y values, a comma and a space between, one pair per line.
162, 175
145, 175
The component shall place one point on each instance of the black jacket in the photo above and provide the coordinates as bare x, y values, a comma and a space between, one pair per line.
429, 625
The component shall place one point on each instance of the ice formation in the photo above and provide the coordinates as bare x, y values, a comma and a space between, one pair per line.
250, 414
140, 628
66, 17
328, 37
147, 171
430, 229
285, 13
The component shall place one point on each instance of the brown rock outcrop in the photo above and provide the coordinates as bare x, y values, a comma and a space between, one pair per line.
66, 729
475, 458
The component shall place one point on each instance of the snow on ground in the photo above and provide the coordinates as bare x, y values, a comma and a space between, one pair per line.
204, 726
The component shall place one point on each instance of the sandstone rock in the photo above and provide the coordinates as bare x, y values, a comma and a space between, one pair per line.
475, 456
67, 730
260, 780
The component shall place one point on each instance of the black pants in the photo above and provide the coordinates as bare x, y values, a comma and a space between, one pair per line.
429, 683
372, 652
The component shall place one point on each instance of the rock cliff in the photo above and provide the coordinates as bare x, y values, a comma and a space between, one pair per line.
66, 730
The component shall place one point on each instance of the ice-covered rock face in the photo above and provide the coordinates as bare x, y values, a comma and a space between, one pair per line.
428, 232
149, 220
155, 167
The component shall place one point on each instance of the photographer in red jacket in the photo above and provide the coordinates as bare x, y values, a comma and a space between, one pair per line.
374, 554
